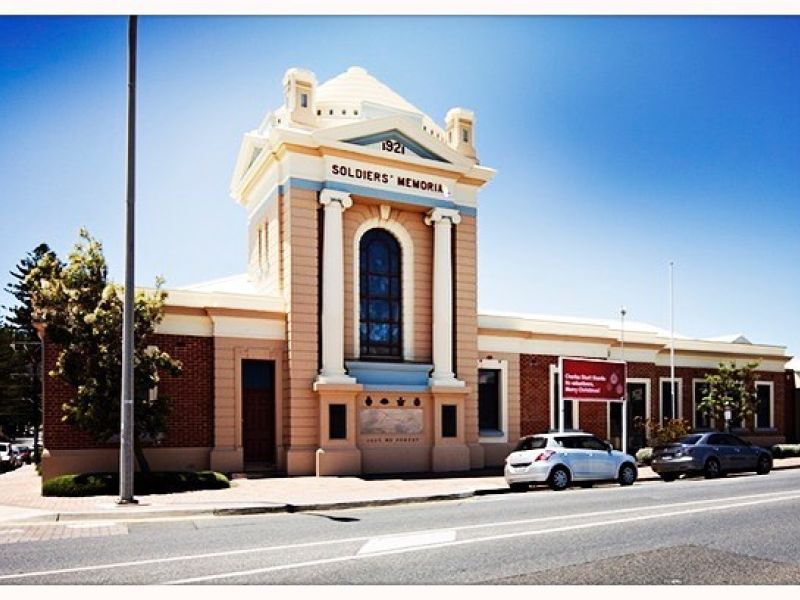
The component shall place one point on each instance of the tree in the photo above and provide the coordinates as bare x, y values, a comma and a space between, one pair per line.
733, 387
82, 312
27, 347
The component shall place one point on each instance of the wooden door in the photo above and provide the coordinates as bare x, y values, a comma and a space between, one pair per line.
258, 410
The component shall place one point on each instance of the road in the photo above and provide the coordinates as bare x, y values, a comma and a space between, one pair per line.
741, 529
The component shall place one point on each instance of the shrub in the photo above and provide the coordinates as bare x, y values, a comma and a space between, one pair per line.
662, 433
785, 450
644, 456
158, 482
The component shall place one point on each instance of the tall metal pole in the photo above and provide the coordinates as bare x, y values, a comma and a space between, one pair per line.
622, 312
672, 338
126, 412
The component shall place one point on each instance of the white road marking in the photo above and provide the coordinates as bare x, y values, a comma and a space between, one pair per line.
91, 524
7, 531
506, 536
415, 540
495, 524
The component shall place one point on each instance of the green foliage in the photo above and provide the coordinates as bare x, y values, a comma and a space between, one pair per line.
17, 409
732, 386
20, 396
159, 482
785, 450
82, 312
663, 433
644, 456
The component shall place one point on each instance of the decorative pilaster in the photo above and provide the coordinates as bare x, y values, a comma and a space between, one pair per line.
334, 203
443, 220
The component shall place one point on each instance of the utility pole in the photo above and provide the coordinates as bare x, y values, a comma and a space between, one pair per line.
672, 339
126, 412
624, 411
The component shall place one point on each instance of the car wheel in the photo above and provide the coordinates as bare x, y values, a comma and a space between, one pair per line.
627, 474
668, 477
764, 465
559, 479
519, 487
712, 469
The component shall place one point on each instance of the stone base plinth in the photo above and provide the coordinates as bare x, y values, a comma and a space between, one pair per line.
345, 461
452, 457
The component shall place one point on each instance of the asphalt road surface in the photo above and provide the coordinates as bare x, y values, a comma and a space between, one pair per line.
741, 529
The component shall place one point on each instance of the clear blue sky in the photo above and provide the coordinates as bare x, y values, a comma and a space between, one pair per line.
620, 143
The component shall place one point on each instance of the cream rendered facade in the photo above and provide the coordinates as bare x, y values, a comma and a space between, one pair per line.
334, 164
313, 179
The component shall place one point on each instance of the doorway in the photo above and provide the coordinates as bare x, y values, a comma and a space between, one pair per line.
636, 403
258, 411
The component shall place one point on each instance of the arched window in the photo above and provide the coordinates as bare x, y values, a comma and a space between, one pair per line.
381, 311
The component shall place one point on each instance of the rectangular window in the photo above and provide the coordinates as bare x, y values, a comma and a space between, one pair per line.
465, 134
670, 409
260, 247
556, 409
489, 402
337, 420
449, 421
764, 408
265, 256
701, 421
304, 100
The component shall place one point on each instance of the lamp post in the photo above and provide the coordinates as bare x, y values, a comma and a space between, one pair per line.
126, 400
727, 414
624, 411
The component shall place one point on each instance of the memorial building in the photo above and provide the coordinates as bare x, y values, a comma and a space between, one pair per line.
353, 342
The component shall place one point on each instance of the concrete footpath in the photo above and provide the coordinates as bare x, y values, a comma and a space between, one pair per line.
21, 499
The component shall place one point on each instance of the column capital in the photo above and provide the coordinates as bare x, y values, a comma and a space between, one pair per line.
327, 196
438, 215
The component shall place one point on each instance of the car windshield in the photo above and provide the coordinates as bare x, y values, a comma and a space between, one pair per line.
531, 443
689, 440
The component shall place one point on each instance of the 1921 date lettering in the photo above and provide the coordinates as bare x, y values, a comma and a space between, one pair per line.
392, 146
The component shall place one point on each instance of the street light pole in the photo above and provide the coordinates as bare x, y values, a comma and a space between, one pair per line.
672, 339
624, 411
126, 412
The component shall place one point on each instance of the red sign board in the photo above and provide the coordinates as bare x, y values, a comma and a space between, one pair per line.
587, 379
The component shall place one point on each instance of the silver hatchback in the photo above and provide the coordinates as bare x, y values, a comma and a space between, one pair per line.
711, 454
558, 459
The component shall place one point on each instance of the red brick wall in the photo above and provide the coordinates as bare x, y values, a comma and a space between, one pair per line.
535, 395
191, 419
534, 391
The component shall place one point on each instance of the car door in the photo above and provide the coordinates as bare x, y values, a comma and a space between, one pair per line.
575, 456
724, 450
745, 456
603, 463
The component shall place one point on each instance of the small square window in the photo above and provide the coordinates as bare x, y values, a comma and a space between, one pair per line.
330, 112
337, 420
304, 100
449, 421
319, 112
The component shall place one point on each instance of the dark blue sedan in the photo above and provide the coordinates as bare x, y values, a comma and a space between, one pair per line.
711, 454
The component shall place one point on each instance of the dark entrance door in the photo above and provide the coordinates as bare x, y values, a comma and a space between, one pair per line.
635, 403
258, 410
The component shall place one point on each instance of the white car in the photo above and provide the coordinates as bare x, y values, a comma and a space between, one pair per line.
558, 459
8, 459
